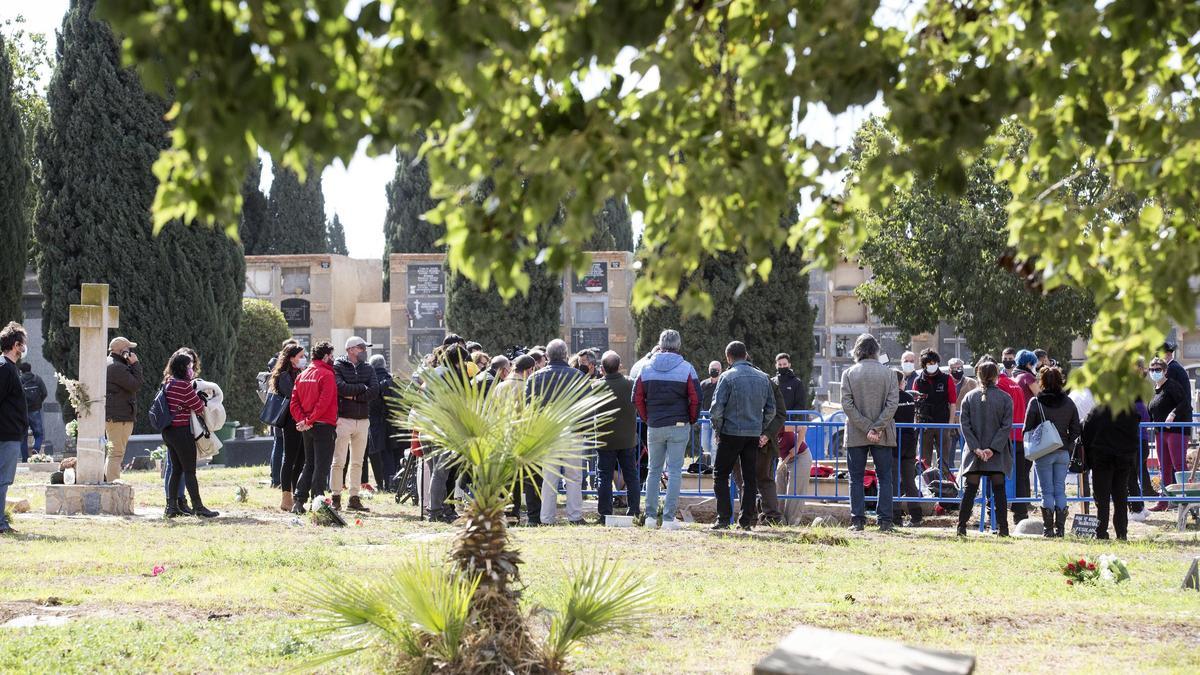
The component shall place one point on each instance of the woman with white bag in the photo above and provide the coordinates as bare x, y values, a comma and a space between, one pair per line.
183, 403
1054, 406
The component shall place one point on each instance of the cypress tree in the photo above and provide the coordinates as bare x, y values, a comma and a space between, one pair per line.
484, 317
405, 229
14, 183
254, 227
181, 288
297, 214
335, 237
770, 317
614, 228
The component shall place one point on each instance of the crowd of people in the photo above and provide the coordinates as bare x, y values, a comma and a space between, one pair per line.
334, 426
1022, 399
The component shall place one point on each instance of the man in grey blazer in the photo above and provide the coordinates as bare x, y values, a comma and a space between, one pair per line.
869, 399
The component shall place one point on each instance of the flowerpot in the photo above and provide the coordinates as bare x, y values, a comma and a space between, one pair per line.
225, 433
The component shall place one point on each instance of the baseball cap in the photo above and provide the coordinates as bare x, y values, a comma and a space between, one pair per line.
358, 342
120, 344
1168, 346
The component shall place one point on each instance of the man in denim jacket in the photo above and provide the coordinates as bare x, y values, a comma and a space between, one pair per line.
743, 405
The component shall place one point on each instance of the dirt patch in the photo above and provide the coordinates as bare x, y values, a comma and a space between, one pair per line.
153, 611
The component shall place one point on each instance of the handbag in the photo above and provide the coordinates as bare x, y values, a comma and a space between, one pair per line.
1043, 440
207, 445
1079, 459
274, 409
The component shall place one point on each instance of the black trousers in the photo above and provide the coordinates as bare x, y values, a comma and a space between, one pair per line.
182, 447
293, 456
732, 449
971, 490
318, 458
1110, 481
1022, 467
1139, 470
533, 498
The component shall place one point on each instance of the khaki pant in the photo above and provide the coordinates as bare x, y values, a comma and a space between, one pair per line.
352, 440
118, 434
800, 484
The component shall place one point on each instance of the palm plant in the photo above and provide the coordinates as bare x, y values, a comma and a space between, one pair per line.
497, 441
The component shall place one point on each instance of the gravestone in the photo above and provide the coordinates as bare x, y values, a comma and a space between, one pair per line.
1192, 578
816, 650
93, 317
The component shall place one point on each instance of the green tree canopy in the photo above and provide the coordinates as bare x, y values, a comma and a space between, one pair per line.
496, 323
405, 229
263, 330
706, 135
335, 237
181, 288
938, 257
14, 185
30, 62
614, 227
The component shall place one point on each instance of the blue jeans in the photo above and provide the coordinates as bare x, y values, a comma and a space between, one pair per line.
276, 455
10, 452
167, 478
35, 424
1052, 476
885, 479
666, 444
608, 461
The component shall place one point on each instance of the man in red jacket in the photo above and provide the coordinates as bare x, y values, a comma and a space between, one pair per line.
314, 406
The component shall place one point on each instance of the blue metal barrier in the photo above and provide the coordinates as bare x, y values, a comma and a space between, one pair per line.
937, 446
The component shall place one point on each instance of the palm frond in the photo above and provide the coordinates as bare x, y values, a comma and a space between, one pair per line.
420, 599
434, 599
499, 440
601, 597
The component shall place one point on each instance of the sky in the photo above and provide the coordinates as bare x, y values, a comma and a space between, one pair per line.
357, 193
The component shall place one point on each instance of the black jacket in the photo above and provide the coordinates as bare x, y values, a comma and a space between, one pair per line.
620, 432
906, 413
1060, 410
121, 388
777, 422
1178, 373
707, 389
14, 419
379, 404
1170, 398
795, 394
1109, 437
551, 380
35, 391
357, 386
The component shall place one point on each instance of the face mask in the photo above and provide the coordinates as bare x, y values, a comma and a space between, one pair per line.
957, 374
1009, 363
714, 373
1156, 375
191, 373
785, 371
908, 367
931, 368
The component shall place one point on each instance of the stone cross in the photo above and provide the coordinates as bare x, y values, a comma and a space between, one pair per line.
93, 317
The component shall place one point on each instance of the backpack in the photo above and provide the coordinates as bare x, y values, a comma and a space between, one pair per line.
160, 411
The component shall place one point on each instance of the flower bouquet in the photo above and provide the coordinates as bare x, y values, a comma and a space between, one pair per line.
40, 458
321, 512
1107, 568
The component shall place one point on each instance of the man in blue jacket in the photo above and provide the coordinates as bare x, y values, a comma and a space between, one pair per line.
549, 383
666, 393
743, 406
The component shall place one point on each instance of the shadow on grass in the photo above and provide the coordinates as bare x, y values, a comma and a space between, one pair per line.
780, 535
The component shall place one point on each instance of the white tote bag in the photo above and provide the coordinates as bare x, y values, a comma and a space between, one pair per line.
1043, 440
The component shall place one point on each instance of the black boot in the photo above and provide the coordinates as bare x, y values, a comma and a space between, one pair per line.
965, 506
172, 510
1047, 523
1060, 522
184, 509
193, 488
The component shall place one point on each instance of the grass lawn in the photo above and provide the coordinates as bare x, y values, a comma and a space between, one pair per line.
226, 604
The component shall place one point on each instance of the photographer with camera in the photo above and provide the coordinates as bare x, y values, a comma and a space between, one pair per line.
124, 380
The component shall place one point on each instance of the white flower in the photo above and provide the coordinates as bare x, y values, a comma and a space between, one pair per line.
317, 503
1105, 573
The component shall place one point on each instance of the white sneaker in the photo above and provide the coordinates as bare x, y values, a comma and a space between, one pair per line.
1139, 516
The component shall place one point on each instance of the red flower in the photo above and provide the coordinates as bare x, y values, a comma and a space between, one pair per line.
1082, 562
1070, 583
1070, 567
1091, 566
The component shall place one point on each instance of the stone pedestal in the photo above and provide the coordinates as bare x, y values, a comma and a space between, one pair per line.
89, 500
